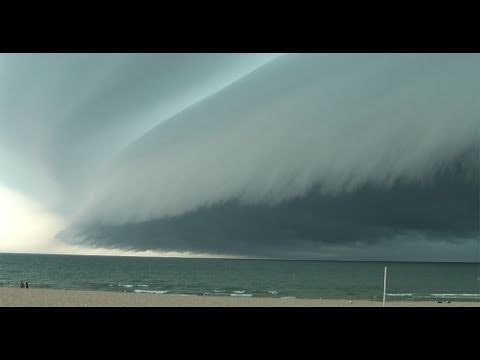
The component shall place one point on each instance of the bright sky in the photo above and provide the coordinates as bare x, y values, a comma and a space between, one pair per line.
24, 224
26, 227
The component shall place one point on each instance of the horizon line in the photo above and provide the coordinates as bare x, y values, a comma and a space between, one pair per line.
224, 257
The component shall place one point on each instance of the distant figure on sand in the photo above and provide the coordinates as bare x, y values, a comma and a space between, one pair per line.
22, 285
26, 285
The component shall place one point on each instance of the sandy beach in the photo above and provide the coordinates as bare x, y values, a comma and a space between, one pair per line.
76, 298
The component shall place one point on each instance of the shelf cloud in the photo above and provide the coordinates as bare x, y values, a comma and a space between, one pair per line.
262, 155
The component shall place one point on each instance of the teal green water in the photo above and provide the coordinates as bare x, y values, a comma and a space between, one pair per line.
244, 278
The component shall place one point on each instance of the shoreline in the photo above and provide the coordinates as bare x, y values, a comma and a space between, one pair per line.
17, 297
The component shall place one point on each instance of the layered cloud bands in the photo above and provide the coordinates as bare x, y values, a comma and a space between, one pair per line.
307, 150
284, 156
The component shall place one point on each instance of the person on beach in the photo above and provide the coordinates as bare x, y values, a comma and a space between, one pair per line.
22, 285
26, 285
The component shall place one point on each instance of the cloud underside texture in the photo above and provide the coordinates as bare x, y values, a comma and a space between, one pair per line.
445, 210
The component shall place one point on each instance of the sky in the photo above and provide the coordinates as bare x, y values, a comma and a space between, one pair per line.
317, 156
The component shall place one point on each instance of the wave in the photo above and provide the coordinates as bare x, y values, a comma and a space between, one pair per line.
273, 292
241, 295
151, 291
472, 296
238, 291
129, 286
440, 295
288, 297
218, 293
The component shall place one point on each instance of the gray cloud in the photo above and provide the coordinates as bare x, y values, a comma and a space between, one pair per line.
334, 121
63, 117
445, 210
258, 155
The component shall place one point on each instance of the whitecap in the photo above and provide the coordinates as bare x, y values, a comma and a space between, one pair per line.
151, 291
473, 296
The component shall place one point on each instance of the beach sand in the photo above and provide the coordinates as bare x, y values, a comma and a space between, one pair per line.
75, 298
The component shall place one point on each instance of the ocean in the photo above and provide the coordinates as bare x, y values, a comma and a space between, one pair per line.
245, 278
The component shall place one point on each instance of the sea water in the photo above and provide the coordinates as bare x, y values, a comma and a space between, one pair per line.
245, 278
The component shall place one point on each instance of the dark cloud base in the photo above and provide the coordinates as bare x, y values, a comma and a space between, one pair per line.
444, 208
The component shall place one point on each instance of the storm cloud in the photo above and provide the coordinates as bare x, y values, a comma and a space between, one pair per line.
443, 210
295, 155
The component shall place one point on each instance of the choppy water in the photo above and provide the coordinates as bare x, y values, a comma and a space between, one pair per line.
244, 278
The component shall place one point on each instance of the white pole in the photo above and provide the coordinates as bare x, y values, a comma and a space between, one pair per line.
384, 286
